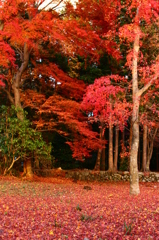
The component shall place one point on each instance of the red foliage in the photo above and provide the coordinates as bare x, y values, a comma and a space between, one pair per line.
43, 86
56, 209
144, 16
102, 18
107, 101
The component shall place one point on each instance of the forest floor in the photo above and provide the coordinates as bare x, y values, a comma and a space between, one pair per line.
56, 208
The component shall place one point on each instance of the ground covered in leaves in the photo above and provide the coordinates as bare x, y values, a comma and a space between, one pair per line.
62, 209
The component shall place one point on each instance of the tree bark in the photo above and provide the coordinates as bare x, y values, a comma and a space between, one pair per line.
144, 155
122, 157
17, 81
116, 148
36, 161
134, 178
11, 165
97, 165
130, 136
17, 101
110, 159
28, 168
150, 150
102, 165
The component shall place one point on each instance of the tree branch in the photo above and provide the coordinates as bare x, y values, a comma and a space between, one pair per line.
13, 161
26, 59
1, 25
11, 99
142, 90
51, 3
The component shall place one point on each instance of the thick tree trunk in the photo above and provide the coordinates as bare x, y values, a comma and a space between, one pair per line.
144, 155
134, 178
17, 82
28, 168
17, 102
116, 148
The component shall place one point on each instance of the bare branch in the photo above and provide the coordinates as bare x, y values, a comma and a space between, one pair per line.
51, 3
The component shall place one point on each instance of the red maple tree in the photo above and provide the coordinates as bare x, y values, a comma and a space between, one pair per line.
29, 41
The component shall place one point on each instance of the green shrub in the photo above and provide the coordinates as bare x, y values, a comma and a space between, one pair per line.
18, 140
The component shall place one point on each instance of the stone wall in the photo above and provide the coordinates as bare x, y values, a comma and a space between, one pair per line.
101, 176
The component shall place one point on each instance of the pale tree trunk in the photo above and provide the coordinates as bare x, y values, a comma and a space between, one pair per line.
150, 149
102, 164
139, 155
134, 179
110, 159
11, 165
99, 155
116, 148
144, 155
130, 136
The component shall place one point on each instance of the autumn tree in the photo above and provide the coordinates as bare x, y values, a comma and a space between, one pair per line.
107, 103
130, 32
30, 39
144, 73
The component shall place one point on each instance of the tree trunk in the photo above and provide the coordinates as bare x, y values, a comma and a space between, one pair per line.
17, 102
97, 165
130, 136
11, 165
28, 168
110, 159
134, 178
116, 148
157, 158
144, 156
36, 161
150, 149
122, 155
102, 165
139, 155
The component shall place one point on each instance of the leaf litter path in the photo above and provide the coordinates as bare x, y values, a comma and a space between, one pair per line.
62, 209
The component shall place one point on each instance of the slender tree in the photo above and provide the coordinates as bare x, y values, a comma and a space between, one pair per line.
144, 75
